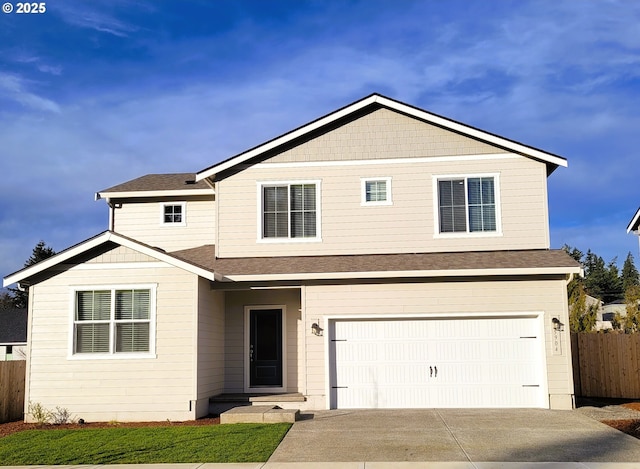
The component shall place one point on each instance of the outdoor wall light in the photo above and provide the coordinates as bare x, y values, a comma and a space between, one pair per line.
557, 325
316, 329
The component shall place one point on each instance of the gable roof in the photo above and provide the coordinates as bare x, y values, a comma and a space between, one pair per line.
13, 326
98, 240
634, 224
151, 185
377, 100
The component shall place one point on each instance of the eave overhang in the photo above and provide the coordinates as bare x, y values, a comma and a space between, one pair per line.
23, 276
552, 161
634, 224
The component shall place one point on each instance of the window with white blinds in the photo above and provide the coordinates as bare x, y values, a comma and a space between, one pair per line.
467, 205
113, 321
290, 210
376, 191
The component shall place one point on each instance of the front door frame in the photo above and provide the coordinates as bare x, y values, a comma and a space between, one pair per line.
247, 340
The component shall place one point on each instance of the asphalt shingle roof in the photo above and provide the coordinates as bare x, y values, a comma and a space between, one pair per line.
204, 257
159, 182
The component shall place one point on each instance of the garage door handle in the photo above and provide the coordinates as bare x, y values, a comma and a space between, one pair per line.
436, 368
431, 370
530, 385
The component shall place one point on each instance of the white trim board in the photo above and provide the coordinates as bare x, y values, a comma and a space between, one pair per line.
393, 105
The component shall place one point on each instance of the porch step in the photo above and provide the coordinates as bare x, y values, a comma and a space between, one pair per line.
259, 414
277, 399
226, 401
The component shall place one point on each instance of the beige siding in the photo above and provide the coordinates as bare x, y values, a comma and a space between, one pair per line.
384, 134
407, 225
141, 220
115, 389
210, 353
541, 296
235, 303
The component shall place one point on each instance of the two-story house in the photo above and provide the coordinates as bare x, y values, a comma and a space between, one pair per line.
379, 256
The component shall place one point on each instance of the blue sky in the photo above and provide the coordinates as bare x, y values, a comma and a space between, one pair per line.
94, 93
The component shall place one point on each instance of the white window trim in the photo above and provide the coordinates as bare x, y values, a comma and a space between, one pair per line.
260, 205
468, 234
112, 355
184, 213
363, 192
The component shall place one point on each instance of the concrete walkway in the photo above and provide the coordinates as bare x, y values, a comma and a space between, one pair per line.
465, 435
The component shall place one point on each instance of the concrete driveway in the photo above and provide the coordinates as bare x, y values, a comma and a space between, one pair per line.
466, 435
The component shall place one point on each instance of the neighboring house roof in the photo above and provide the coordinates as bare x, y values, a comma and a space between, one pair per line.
634, 224
99, 240
13, 326
379, 101
178, 184
481, 263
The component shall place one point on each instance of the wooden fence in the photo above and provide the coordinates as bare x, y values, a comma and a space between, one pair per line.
606, 365
12, 375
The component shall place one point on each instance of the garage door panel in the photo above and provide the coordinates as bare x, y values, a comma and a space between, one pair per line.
436, 363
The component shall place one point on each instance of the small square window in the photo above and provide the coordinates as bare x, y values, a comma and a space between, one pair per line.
376, 191
173, 213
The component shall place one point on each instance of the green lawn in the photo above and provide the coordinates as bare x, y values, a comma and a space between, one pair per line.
215, 443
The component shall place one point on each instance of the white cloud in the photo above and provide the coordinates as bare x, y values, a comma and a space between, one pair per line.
14, 88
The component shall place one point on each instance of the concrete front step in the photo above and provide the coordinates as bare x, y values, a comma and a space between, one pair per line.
259, 414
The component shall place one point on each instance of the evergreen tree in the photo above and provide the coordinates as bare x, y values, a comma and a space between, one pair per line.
631, 322
630, 276
40, 252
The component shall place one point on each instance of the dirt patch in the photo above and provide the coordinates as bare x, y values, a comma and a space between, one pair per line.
630, 427
14, 427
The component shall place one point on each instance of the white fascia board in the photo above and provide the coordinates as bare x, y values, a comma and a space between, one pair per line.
404, 274
56, 259
285, 138
97, 241
634, 222
400, 107
472, 132
141, 194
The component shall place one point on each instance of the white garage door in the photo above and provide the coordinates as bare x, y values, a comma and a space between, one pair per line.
488, 362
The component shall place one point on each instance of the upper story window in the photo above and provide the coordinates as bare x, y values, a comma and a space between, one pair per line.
290, 211
173, 213
468, 204
376, 191
114, 321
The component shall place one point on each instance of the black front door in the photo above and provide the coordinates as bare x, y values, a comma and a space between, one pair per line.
265, 348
